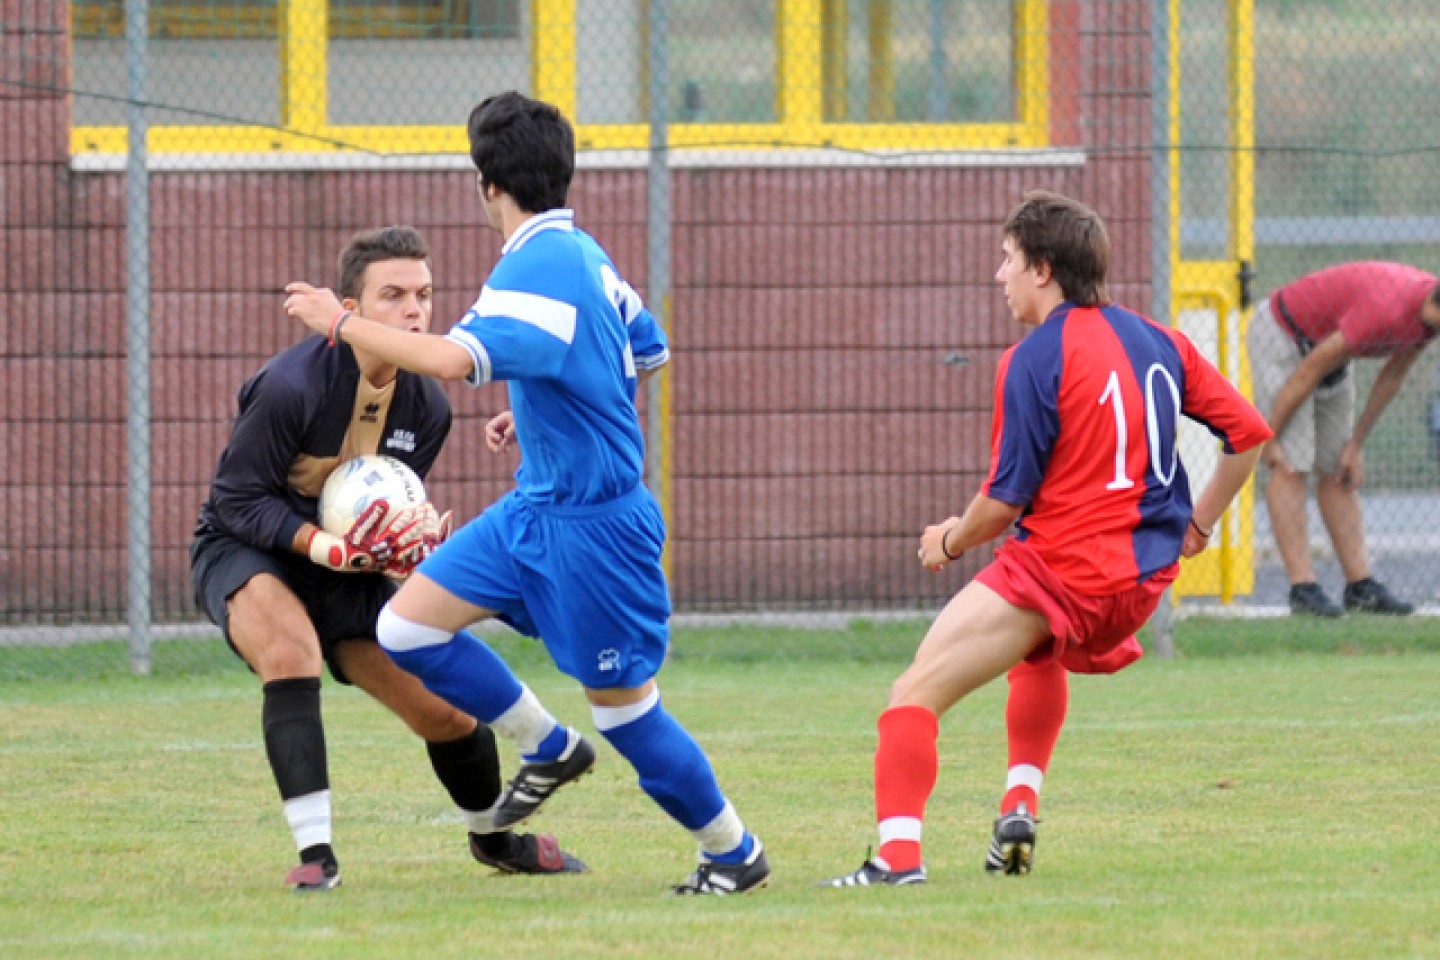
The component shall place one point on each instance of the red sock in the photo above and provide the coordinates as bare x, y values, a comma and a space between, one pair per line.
1034, 714
906, 764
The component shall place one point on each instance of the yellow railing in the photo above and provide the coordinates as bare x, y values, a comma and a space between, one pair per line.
802, 27
1211, 288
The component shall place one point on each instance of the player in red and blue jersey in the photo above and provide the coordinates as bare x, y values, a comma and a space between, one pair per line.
1084, 465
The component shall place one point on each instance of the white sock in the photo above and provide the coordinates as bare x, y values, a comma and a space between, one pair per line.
309, 818
526, 722
722, 834
481, 821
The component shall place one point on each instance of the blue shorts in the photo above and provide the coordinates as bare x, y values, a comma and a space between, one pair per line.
587, 580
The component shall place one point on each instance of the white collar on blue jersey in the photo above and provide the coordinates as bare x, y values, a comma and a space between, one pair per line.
557, 219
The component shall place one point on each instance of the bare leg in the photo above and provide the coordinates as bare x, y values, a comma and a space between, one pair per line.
977, 637
1285, 496
1345, 521
272, 631
432, 719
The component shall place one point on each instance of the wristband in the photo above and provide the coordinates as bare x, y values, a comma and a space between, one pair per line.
329, 552
946, 550
1204, 534
337, 323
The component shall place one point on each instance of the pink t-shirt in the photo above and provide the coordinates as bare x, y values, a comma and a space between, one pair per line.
1374, 305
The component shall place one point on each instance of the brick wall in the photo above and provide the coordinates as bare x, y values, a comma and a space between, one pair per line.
835, 335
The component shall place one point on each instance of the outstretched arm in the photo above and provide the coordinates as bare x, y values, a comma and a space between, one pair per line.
422, 353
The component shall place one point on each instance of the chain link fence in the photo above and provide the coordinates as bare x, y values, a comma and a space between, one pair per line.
809, 191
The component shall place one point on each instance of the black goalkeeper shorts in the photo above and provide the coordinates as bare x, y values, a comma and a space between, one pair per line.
342, 606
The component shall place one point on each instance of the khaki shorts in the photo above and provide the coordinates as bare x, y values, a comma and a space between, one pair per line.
1324, 421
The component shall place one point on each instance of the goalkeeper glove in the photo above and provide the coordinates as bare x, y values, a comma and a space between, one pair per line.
418, 539
363, 548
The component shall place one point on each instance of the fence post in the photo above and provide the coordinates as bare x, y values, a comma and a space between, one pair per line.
1161, 256
657, 238
137, 333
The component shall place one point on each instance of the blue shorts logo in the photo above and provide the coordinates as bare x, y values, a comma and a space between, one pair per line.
609, 659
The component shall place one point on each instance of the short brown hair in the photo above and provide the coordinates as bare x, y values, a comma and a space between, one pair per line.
372, 246
1070, 237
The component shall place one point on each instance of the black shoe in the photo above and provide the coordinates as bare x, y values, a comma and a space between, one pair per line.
871, 874
1308, 598
532, 853
314, 877
1012, 847
1371, 596
721, 879
535, 782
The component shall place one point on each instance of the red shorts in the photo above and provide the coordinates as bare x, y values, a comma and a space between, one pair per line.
1088, 634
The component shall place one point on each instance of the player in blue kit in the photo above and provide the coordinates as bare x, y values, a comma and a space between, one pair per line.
572, 555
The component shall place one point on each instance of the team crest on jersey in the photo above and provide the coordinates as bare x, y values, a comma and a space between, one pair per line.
401, 440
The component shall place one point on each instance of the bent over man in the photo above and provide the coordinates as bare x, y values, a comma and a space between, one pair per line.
1301, 341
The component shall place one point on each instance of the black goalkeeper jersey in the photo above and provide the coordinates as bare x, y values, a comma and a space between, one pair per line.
305, 411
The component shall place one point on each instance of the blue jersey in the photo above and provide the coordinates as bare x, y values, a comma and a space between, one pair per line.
558, 323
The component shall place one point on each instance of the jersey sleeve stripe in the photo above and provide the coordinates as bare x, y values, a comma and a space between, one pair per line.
630, 303
555, 317
480, 372
654, 361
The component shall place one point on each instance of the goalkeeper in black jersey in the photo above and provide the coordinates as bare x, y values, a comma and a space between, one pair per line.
288, 594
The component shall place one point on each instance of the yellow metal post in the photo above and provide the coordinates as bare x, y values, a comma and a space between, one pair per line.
834, 27
552, 53
880, 96
1032, 68
800, 56
1214, 285
304, 36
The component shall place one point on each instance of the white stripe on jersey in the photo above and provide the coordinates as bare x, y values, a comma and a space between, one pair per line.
558, 219
630, 303
555, 317
654, 361
478, 354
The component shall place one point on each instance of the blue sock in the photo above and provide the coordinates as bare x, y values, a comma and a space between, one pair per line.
466, 673
673, 769
739, 855
551, 747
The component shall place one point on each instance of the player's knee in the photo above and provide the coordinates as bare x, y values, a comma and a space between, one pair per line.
398, 635
286, 655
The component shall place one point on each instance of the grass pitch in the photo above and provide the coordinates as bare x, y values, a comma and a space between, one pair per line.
1217, 805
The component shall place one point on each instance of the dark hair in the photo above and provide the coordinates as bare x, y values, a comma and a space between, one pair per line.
524, 147
1070, 237
372, 246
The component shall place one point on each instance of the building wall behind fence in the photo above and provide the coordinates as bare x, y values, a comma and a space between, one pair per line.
835, 336
832, 372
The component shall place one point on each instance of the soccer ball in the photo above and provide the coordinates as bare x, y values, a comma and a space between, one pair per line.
357, 483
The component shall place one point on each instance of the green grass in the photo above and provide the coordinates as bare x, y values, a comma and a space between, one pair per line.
1217, 805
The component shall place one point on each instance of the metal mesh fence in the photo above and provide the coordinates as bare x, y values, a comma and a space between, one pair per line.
810, 193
